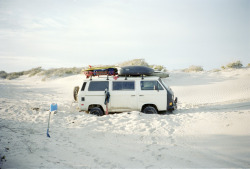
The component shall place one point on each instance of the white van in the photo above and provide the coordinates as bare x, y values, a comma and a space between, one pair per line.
146, 94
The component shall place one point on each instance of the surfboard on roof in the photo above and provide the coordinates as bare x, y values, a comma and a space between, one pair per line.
97, 71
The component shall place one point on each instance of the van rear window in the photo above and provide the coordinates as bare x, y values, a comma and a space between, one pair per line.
98, 86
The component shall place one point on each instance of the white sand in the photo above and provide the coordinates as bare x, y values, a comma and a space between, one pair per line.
211, 127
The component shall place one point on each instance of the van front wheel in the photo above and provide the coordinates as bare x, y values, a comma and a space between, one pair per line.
150, 110
96, 111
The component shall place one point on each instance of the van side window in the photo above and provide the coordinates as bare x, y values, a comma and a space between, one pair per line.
83, 86
151, 85
98, 86
124, 86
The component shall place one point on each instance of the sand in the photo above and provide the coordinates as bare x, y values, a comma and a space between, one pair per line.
210, 128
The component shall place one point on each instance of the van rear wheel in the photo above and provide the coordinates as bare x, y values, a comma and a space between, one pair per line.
150, 110
96, 111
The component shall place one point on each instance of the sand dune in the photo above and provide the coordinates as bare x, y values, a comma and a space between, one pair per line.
210, 128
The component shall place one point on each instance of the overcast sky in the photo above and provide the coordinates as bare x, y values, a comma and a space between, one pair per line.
76, 33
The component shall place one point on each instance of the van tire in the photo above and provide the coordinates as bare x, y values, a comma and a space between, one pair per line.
150, 110
96, 111
75, 92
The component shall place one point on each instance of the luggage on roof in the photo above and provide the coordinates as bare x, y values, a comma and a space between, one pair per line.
124, 71
135, 71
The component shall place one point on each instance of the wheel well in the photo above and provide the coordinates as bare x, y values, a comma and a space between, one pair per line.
95, 105
145, 105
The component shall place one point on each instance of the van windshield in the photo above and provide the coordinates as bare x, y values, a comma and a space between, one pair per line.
166, 87
164, 84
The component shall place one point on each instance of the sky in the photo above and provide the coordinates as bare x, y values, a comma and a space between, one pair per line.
77, 33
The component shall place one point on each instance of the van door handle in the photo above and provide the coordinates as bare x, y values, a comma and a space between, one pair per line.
132, 95
141, 95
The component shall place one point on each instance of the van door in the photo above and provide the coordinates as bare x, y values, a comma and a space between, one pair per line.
152, 92
95, 93
123, 96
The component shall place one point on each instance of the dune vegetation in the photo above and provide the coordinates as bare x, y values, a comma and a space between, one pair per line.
60, 72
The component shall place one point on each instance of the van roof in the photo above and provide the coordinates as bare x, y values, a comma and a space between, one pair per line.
120, 78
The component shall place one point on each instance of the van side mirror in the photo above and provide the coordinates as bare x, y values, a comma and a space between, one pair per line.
175, 100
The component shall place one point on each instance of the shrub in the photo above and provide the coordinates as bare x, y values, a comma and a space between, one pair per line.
47, 73
135, 62
33, 72
215, 70
3, 74
159, 68
193, 69
248, 65
14, 75
61, 72
142, 62
235, 65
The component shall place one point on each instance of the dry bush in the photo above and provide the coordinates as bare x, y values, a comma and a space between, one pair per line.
135, 62
233, 65
215, 70
59, 72
193, 69
142, 62
3, 74
14, 75
159, 68
33, 72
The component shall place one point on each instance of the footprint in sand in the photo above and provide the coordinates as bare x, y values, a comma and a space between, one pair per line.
154, 140
172, 140
162, 149
171, 131
149, 166
132, 158
152, 130
142, 130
